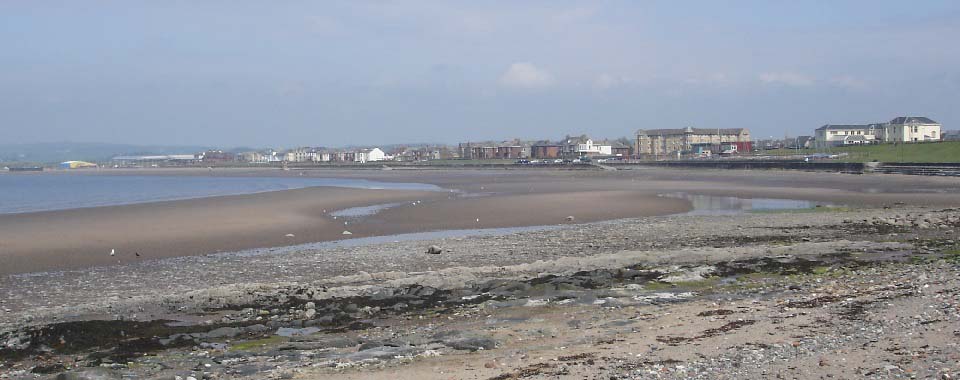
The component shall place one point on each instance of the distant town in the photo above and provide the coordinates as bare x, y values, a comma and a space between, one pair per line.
645, 144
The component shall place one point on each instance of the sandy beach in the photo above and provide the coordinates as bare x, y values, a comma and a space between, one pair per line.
81, 238
634, 287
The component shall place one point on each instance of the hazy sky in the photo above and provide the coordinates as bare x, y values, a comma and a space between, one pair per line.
283, 73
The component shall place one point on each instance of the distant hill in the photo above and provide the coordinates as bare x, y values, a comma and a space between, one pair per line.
94, 152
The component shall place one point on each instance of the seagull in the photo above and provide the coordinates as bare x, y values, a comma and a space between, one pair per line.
113, 252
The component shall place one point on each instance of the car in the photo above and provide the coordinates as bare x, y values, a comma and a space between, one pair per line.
558, 161
522, 161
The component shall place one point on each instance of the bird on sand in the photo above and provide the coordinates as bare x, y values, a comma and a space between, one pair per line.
113, 252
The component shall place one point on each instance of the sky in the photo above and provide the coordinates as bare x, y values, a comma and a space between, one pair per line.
336, 73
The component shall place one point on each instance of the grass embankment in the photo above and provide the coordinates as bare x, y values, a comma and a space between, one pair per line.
946, 151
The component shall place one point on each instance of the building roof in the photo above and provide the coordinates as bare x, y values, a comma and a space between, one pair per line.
577, 139
854, 138
843, 126
912, 120
696, 131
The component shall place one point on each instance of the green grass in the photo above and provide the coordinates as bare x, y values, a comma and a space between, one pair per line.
952, 256
947, 151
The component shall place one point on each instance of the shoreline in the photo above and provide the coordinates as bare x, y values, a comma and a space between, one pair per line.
82, 238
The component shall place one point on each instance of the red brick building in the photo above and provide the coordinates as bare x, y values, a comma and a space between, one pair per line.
544, 151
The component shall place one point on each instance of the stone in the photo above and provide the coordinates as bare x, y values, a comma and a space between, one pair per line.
434, 250
89, 374
347, 233
223, 332
471, 343
256, 329
310, 313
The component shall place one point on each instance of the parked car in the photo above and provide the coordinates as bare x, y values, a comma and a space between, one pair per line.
558, 161
522, 161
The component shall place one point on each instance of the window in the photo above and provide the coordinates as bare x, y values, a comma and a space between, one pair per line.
834, 132
915, 129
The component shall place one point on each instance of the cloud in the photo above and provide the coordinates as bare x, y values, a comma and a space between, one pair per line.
525, 75
787, 79
847, 81
716, 79
606, 81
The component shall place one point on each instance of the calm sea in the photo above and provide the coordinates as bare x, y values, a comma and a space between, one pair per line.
43, 192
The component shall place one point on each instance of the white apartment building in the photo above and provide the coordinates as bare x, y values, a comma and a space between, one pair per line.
847, 134
369, 155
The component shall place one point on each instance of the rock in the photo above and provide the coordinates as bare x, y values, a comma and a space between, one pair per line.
310, 305
310, 313
571, 218
490, 365
291, 332
336, 342
89, 374
434, 250
382, 353
347, 233
471, 343
289, 235
223, 332
256, 329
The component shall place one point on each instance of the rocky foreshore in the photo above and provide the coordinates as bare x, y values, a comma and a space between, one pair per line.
835, 292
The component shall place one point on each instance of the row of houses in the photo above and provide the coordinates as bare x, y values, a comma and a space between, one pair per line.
568, 147
900, 129
648, 143
306, 154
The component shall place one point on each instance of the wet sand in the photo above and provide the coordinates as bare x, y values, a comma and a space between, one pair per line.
73, 239
81, 238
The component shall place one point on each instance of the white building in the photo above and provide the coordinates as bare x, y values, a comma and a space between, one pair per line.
911, 129
369, 155
847, 134
582, 146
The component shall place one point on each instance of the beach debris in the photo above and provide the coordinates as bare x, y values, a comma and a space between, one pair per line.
113, 252
345, 232
137, 254
434, 250
289, 235
571, 218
